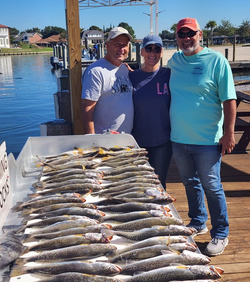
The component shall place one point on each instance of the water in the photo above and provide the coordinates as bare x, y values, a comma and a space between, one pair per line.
27, 85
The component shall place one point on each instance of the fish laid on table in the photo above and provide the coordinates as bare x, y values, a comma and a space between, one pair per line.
44, 201
91, 213
163, 240
40, 186
80, 277
67, 241
54, 207
84, 189
70, 231
144, 253
126, 175
124, 187
11, 247
186, 258
149, 232
59, 226
148, 222
75, 252
125, 217
53, 221
126, 169
130, 207
122, 162
182, 272
56, 176
97, 268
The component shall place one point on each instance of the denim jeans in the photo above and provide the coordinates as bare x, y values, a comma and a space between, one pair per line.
199, 168
159, 158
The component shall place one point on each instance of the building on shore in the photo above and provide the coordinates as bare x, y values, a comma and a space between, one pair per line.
4, 36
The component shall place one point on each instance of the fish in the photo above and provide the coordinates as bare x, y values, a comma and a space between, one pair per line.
84, 189
80, 277
78, 163
185, 258
147, 178
67, 241
44, 201
126, 175
163, 240
122, 162
136, 188
73, 252
141, 254
56, 176
11, 247
124, 217
148, 222
91, 213
182, 272
128, 168
70, 231
96, 268
125, 187
131, 206
53, 207
47, 222
146, 233
59, 226
40, 186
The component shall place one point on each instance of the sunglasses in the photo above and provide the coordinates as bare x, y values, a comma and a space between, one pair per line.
150, 49
189, 34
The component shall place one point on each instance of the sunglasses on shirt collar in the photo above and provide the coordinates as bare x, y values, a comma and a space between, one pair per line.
189, 34
150, 49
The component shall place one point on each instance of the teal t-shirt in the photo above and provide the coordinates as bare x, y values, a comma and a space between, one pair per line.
199, 84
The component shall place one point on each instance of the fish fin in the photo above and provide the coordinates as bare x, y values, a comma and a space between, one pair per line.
27, 212
34, 195
20, 262
167, 252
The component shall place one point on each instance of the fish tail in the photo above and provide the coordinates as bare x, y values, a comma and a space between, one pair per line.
34, 195
17, 207
26, 212
20, 229
18, 270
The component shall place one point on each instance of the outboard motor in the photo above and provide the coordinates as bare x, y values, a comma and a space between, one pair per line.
54, 62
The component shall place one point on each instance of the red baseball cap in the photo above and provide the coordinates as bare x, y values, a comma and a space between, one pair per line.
189, 23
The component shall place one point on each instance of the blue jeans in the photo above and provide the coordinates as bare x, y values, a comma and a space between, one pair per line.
199, 168
159, 158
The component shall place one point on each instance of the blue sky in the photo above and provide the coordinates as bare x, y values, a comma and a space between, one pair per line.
25, 14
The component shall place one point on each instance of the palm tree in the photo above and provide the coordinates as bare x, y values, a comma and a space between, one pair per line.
211, 25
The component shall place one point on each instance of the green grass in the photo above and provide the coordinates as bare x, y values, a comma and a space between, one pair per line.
26, 49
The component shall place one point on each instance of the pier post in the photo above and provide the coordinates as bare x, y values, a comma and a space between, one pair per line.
138, 54
226, 53
234, 47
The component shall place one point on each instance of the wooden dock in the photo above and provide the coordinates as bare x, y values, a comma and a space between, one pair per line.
235, 174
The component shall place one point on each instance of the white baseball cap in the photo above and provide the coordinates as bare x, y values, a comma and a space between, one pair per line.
116, 31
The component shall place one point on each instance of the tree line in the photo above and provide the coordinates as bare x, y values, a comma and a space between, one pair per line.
211, 29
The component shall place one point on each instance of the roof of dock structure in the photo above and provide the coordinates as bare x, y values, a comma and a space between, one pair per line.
108, 3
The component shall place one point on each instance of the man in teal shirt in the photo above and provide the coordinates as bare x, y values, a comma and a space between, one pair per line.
202, 114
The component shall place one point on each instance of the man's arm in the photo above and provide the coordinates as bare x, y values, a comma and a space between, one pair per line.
227, 140
88, 107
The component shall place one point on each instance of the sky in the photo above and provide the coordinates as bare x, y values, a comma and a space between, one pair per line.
26, 14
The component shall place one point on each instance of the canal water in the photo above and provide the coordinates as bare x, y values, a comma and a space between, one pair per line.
27, 85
